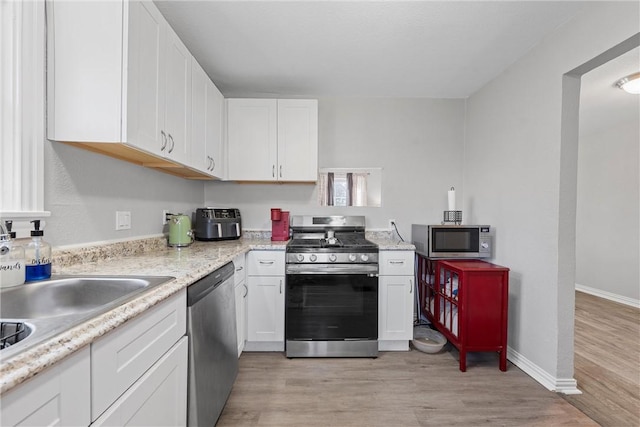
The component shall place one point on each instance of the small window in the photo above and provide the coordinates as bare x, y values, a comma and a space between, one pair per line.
349, 187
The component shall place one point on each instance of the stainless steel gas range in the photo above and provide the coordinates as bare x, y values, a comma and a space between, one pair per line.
331, 304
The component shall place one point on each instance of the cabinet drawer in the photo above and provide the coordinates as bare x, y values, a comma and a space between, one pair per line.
158, 398
396, 263
122, 356
265, 263
240, 270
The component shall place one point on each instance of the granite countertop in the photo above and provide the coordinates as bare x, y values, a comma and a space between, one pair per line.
137, 257
141, 257
390, 244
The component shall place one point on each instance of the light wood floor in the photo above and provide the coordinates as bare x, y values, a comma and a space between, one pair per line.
396, 389
607, 361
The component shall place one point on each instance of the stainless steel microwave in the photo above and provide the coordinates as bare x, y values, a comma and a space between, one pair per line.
452, 241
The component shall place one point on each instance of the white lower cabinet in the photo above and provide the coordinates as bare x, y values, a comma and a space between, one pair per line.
122, 356
158, 398
241, 290
265, 301
395, 300
58, 396
134, 375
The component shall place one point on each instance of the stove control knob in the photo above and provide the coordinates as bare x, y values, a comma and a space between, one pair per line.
352, 257
333, 257
300, 257
313, 258
364, 257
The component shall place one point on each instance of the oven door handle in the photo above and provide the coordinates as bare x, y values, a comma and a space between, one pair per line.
301, 269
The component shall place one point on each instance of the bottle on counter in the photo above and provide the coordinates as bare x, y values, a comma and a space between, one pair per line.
12, 261
37, 255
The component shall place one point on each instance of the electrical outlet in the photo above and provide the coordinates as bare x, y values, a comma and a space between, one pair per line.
391, 222
123, 220
165, 216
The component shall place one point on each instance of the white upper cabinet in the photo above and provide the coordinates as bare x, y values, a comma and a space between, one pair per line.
297, 140
252, 138
177, 124
215, 126
272, 140
206, 123
119, 83
145, 97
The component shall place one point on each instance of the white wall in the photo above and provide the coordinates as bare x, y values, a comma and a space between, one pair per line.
512, 181
608, 210
417, 142
83, 191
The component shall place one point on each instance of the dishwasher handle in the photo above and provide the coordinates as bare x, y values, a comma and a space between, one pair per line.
208, 283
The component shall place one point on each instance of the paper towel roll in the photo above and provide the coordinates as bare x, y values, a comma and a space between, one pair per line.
452, 199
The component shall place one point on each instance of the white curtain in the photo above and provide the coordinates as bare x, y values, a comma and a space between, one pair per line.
325, 189
358, 190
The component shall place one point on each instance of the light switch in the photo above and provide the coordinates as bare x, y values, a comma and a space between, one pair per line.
123, 220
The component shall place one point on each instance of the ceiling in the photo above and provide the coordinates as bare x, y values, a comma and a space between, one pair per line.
602, 104
435, 49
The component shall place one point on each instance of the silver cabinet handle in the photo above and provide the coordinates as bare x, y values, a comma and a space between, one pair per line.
246, 291
164, 140
410, 286
396, 262
273, 171
266, 262
280, 171
280, 285
213, 164
172, 143
240, 268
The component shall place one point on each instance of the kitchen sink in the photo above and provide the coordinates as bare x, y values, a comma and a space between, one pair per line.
36, 311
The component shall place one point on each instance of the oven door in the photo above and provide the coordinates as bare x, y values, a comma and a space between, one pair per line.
331, 307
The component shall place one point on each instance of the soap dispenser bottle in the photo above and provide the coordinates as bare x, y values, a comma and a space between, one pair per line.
38, 255
12, 265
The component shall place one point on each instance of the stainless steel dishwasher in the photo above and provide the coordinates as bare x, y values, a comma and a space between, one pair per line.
213, 348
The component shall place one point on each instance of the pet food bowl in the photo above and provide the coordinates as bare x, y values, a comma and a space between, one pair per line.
427, 340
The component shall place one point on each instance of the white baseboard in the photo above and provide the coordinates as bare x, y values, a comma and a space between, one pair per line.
559, 385
608, 295
263, 346
396, 345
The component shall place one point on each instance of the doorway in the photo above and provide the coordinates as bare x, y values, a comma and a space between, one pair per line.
600, 141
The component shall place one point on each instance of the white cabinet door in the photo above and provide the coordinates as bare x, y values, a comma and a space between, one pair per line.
215, 126
178, 97
58, 396
158, 398
241, 313
145, 92
265, 309
297, 140
252, 139
240, 282
78, 108
206, 123
197, 149
395, 301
